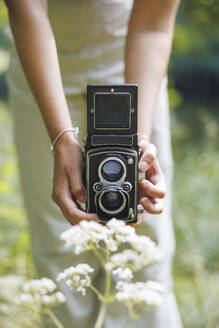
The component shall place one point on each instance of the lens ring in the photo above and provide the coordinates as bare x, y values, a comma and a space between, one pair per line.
117, 210
116, 159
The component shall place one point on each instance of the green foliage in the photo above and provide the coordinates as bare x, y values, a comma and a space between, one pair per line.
197, 28
14, 239
175, 98
4, 61
3, 14
196, 152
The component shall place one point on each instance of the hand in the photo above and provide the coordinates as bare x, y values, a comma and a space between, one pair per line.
152, 189
68, 188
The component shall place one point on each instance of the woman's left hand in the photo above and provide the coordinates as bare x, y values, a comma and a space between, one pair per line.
152, 188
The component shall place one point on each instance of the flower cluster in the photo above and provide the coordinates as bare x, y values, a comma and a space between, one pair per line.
77, 276
124, 274
41, 292
147, 294
84, 236
140, 251
42, 286
143, 252
88, 235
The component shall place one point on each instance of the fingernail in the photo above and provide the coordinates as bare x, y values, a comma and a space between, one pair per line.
143, 166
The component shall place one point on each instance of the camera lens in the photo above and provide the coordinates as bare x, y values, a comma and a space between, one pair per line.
112, 171
112, 200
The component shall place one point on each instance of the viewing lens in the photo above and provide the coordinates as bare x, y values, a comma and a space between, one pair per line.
112, 171
112, 200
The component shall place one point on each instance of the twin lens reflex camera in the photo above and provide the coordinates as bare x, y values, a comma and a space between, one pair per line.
112, 152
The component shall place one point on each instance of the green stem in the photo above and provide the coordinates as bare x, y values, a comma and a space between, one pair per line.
54, 319
102, 312
99, 295
104, 250
111, 297
101, 316
99, 255
108, 284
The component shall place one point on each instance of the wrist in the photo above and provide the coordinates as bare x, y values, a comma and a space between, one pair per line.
66, 139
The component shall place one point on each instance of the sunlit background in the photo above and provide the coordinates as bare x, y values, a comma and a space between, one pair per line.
194, 93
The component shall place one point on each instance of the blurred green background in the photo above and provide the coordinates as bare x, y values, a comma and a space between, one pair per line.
193, 91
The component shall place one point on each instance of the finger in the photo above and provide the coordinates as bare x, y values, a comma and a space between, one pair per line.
156, 191
73, 214
76, 184
63, 197
155, 174
152, 207
148, 156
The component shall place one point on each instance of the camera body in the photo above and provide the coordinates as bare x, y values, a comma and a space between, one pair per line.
112, 152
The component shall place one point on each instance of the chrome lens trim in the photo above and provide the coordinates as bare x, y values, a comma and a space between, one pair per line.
115, 211
113, 158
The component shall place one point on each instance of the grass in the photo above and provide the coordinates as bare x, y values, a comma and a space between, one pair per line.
195, 134
196, 210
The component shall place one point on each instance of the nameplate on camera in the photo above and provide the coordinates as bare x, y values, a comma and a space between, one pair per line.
101, 140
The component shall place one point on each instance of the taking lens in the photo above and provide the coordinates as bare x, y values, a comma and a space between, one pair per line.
112, 170
112, 200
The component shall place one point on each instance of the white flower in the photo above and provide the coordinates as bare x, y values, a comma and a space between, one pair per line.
85, 236
40, 292
123, 273
89, 234
143, 244
43, 300
120, 230
41, 286
53, 299
118, 233
77, 276
144, 252
60, 297
147, 294
26, 299
130, 259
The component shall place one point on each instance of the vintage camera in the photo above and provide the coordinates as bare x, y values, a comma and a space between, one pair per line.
111, 152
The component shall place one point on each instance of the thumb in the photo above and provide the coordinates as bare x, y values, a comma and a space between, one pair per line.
148, 156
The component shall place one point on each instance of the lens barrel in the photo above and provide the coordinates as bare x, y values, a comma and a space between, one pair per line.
112, 171
112, 200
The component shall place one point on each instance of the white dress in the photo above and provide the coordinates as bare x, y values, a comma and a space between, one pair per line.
90, 36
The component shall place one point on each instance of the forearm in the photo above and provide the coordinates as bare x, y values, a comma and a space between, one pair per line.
37, 51
147, 52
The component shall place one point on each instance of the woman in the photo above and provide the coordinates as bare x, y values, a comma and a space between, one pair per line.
90, 38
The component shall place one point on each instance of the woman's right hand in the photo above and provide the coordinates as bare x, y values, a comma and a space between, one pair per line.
68, 187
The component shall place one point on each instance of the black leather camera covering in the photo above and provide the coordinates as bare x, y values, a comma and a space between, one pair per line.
112, 133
